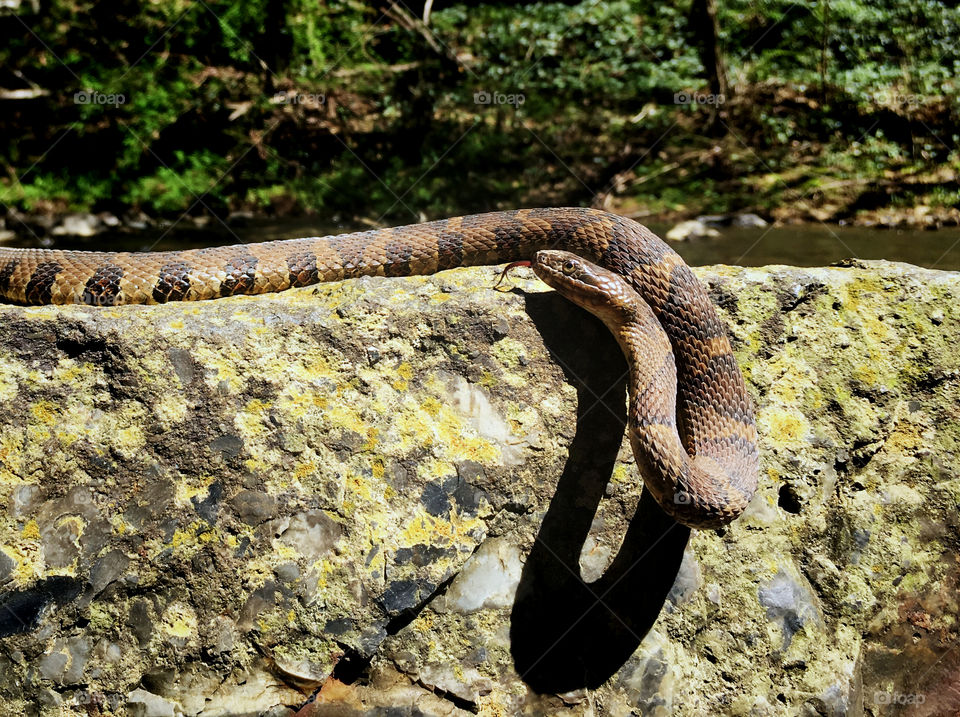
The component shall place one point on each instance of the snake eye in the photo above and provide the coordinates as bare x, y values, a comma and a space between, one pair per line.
568, 266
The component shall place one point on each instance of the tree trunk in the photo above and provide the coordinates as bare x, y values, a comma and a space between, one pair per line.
703, 22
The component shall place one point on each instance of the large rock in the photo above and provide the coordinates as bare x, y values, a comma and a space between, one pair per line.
389, 487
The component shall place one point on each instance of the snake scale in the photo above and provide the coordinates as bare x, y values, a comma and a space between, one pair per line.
690, 416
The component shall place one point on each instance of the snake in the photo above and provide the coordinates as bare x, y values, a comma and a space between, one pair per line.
690, 416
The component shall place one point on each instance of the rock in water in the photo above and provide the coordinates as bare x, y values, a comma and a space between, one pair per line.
749, 221
741, 221
79, 225
218, 507
691, 229
717, 221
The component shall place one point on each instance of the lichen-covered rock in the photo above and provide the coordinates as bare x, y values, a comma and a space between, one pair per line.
384, 492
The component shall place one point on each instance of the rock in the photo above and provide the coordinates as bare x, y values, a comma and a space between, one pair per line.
748, 221
252, 690
687, 582
312, 534
594, 559
254, 507
137, 220
240, 218
78, 225
717, 221
19, 7
6, 566
141, 703
109, 220
35, 224
211, 508
467, 684
740, 221
789, 603
488, 579
691, 229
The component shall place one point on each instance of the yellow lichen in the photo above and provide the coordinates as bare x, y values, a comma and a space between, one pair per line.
31, 531
508, 352
179, 620
430, 530
302, 470
251, 420
787, 427
45, 412
405, 373
358, 486
190, 487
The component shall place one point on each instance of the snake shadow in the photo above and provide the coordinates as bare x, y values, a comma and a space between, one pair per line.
567, 634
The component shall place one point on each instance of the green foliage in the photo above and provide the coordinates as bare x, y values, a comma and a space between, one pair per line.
328, 35
378, 116
856, 47
58, 190
191, 180
565, 58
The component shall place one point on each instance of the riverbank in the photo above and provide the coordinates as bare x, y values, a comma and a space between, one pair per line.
46, 229
923, 201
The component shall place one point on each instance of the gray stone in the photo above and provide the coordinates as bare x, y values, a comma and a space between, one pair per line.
312, 533
254, 507
7, 565
141, 703
488, 579
749, 221
106, 570
688, 580
79, 225
715, 220
691, 229
53, 664
79, 649
790, 603
467, 684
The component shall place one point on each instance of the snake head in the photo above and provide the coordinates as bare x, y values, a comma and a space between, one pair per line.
599, 291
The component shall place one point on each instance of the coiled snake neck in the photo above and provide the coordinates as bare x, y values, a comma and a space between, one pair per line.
706, 484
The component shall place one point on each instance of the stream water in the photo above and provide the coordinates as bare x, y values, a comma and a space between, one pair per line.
800, 245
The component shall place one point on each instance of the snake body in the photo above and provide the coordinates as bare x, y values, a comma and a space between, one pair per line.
704, 478
702, 488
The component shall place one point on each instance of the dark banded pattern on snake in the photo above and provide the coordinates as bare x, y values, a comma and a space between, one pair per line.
712, 406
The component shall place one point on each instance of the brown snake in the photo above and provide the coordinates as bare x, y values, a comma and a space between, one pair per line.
691, 419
